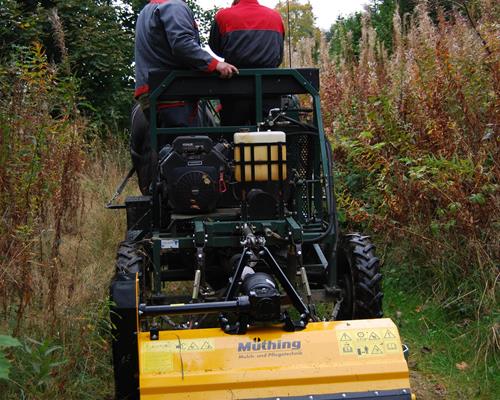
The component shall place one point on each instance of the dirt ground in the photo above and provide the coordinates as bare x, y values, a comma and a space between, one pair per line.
424, 389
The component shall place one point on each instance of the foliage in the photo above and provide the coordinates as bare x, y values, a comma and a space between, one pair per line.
301, 30
73, 364
87, 39
344, 31
203, 18
380, 12
301, 19
39, 362
416, 141
6, 342
100, 54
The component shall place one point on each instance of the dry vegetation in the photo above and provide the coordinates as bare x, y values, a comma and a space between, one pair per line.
57, 241
415, 133
71, 355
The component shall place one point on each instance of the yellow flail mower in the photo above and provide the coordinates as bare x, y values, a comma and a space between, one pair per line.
234, 281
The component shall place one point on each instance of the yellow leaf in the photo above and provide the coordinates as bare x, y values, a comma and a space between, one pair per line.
462, 366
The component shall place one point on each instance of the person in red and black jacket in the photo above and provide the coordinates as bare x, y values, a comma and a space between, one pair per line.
166, 38
247, 35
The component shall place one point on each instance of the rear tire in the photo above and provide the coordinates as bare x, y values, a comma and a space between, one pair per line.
360, 278
129, 259
129, 262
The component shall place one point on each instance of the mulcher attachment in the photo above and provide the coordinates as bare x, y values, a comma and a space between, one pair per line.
360, 359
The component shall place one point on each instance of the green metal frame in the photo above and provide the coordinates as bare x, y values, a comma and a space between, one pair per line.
221, 233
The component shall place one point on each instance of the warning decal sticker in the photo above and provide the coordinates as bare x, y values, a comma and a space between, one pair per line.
368, 342
196, 345
157, 357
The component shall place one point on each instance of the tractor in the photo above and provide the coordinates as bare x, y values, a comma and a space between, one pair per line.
234, 280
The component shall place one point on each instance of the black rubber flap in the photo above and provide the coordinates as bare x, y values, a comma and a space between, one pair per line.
400, 394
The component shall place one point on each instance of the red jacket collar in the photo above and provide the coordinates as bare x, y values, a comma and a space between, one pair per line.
248, 2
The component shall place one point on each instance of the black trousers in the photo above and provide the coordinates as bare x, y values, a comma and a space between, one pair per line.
241, 111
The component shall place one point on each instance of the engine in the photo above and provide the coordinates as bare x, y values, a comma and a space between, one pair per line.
194, 169
196, 172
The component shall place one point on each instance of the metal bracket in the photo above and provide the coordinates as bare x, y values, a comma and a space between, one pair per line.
119, 190
295, 231
199, 234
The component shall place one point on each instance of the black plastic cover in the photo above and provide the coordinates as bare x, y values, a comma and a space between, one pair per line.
122, 291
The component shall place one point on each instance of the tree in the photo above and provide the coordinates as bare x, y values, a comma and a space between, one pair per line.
300, 20
87, 39
300, 26
348, 29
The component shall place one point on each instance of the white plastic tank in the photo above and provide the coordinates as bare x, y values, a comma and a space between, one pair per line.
261, 141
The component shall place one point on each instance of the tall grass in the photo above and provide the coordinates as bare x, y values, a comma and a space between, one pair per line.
415, 133
76, 331
57, 241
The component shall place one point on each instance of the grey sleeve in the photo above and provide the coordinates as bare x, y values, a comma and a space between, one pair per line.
182, 35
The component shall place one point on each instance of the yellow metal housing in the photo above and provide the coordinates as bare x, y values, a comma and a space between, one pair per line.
326, 358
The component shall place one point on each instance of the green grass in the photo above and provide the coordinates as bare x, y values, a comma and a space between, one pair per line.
441, 340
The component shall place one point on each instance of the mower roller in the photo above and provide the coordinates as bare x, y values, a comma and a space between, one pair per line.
234, 280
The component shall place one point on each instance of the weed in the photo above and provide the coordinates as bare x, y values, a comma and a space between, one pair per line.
6, 342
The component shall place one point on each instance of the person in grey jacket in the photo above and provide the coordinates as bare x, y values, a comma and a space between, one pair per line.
166, 38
